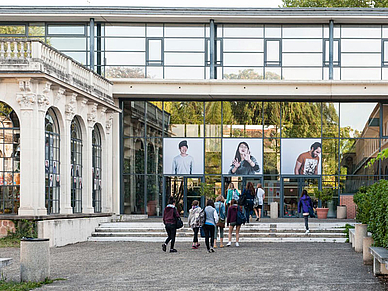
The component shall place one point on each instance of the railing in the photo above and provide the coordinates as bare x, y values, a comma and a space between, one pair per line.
20, 55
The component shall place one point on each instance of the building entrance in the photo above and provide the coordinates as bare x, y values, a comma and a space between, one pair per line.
184, 190
292, 190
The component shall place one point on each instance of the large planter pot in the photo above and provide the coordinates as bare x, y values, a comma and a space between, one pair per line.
322, 213
341, 212
331, 206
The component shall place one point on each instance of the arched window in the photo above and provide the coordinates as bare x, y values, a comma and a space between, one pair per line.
76, 166
52, 162
96, 168
9, 160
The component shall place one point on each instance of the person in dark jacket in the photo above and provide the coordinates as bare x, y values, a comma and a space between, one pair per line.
232, 222
303, 207
170, 215
249, 191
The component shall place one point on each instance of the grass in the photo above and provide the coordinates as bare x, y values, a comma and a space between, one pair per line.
9, 242
24, 286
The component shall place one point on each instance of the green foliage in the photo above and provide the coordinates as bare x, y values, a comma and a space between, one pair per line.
24, 286
251, 74
328, 3
24, 228
324, 195
380, 156
207, 191
346, 230
372, 209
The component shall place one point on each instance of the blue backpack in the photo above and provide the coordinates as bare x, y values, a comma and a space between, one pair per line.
241, 219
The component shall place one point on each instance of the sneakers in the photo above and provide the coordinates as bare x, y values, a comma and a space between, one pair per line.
194, 247
173, 251
237, 244
164, 246
229, 244
307, 231
198, 245
212, 250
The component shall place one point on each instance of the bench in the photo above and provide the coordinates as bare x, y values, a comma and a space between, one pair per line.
380, 260
5, 262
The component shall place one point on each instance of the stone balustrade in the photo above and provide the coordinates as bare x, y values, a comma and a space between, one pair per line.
34, 55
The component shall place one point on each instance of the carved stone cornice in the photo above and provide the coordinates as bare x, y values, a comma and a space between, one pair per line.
84, 101
92, 114
71, 106
26, 98
60, 94
43, 99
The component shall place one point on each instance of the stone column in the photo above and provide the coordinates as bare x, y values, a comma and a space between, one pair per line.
361, 230
32, 139
366, 255
108, 167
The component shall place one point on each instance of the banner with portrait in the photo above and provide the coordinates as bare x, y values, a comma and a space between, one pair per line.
242, 157
301, 156
183, 156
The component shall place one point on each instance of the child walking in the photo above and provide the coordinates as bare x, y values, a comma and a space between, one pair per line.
194, 222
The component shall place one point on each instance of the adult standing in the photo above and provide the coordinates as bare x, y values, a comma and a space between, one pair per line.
305, 205
249, 192
210, 225
260, 195
231, 194
194, 221
220, 208
232, 222
170, 215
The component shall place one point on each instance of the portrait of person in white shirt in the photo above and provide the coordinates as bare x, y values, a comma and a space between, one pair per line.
183, 163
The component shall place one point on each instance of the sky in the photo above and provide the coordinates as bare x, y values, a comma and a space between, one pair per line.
155, 3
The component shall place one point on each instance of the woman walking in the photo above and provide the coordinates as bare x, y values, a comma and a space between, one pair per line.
170, 215
249, 191
220, 208
210, 225
232, 222
306, 206
231, 194
260, 195
194, 222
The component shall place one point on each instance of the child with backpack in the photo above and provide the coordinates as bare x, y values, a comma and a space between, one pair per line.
194, 222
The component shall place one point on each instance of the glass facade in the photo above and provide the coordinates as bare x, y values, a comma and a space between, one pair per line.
272, 131
182, 51
9, 160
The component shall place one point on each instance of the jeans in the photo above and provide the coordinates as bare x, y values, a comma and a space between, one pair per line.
195, 229
306, 221
209, 234
171, 232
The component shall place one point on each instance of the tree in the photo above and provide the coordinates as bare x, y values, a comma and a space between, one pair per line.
336, 3
251, 74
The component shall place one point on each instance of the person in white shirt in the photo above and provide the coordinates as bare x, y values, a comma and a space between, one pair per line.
183, 163
259, 201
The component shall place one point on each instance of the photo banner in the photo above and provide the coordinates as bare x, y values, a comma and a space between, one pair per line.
183, 156
242, 157
301, 156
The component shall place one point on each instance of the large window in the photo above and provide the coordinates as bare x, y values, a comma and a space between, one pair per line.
9, 160
52, 163
96, 169
76, 166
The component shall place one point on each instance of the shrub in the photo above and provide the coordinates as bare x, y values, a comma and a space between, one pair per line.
372, 209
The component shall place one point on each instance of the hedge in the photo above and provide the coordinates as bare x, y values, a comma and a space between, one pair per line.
372, 209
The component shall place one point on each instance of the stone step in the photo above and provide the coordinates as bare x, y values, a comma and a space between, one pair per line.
242, 234
307, 238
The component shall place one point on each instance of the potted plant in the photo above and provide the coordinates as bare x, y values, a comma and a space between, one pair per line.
324, 196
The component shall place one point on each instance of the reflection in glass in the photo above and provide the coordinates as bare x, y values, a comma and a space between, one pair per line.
271, 119
154, 195
172, 30
213, 119
155, 156
243, 59
302, 31
184, 115
133, 118
66, 29
125, 44
179, 44
302, 45
330, 119
195, 73
213, 156
243, 31
243, 45
361, 74
242, 119
329, 156
301, 119
272, 193
365, 123
125, 30
364, 31
271, 161
351, 184
302, 73
12, 29
243, 73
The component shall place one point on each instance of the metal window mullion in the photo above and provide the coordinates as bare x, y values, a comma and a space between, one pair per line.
212, 47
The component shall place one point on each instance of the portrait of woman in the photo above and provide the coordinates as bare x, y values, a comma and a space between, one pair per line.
244, 163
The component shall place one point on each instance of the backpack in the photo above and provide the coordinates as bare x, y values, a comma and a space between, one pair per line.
243, 199
202, 217
240, 219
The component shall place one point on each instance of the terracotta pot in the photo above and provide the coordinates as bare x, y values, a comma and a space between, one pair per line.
322, 213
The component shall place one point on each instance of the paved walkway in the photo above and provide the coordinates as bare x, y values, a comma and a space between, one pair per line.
252, 266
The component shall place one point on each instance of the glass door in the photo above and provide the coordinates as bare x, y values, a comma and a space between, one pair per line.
192, 192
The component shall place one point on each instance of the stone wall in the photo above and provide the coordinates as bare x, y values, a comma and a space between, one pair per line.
5, 226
